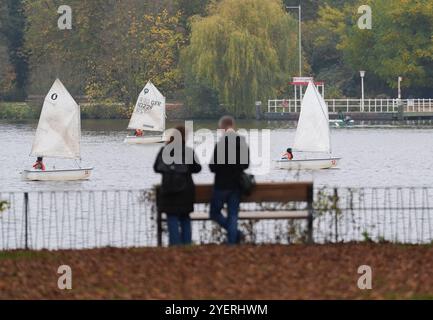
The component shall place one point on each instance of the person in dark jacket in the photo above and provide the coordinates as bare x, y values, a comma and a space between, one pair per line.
231, 157
177, 193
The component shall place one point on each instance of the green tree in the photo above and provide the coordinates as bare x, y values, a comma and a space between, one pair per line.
3, 205
244, 50
309, 8
13, 67
71, 55
7, 72
399, 44
321, 38
189, 8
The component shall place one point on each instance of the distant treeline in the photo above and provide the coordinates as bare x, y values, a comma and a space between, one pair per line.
213, 53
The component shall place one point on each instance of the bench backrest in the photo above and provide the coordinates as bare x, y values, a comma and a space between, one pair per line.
265, 192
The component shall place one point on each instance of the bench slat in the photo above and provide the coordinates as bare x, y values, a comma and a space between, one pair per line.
266, 192
251, 215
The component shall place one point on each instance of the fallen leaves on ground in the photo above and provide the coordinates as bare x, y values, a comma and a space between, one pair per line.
222, 272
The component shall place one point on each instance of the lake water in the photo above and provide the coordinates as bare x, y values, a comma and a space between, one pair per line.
373, 156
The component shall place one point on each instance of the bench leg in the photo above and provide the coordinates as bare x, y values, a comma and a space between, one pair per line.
310, 239
310, 200
159, 228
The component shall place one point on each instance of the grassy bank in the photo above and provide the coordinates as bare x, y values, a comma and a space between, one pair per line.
25, 111
18, 111
220, 272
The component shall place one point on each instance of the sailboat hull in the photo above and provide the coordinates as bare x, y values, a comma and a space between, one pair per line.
307, 164
341, 123
57, 175
144, 140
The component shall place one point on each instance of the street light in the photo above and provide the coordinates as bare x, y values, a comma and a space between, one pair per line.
400, 79
362, 74
300, 36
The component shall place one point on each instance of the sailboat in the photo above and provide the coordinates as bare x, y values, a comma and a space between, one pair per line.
312, 135
58, 135
148, 116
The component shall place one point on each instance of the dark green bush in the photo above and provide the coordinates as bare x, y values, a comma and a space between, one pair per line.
24, 111
18, 111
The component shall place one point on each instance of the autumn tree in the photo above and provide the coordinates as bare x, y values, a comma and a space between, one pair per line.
113, 49
142, 47
244, 51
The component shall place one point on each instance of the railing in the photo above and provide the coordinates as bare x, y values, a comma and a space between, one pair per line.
93, 219
77, 219
398, 215
355, 105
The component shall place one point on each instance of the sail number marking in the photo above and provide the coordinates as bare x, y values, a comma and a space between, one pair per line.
145, 105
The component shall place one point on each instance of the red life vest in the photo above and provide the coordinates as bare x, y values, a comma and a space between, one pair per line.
288, 155
39, 166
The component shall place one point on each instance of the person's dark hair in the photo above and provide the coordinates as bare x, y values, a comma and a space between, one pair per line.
289, 150
181, 130
40, 158
226, 122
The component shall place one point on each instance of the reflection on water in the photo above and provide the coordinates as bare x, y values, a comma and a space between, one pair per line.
372, 156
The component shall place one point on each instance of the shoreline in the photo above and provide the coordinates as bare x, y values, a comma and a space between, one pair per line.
176, 111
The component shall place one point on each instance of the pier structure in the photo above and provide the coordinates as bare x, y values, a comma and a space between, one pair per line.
374, 109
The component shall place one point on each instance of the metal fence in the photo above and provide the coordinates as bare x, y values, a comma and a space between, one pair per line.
77, 220
356, 105
91, 219
398, 215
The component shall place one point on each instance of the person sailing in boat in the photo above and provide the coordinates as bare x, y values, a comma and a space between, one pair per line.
138, 132
288, 154
39, 165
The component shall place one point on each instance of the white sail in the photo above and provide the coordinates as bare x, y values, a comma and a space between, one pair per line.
312, 134
59, 130
149, 111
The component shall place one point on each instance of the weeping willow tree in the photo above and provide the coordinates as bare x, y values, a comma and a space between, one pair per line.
245, 50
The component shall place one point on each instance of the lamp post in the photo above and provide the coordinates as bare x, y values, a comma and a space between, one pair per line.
399, 102
400, 79
362, 74
300, 36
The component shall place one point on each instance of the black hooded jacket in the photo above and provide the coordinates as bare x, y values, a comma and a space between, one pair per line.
177, 192
231, 157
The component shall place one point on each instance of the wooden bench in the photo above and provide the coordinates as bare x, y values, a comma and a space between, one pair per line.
263, 192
